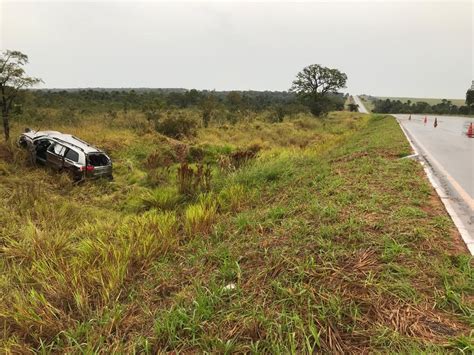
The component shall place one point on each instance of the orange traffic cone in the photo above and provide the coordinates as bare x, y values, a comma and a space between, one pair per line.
435, 122
470, 131
426, 120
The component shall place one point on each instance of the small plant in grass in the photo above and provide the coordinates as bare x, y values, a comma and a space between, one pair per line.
198, 218
163, 198
150, 235
232, 197
235, 160
193, 180
159, 176
163, 157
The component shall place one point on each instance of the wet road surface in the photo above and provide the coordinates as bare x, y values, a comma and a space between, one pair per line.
448, 144
450, 154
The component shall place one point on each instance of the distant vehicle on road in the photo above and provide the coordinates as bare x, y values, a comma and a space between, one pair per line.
64, 152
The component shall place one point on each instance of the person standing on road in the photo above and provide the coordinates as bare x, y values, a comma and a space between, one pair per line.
435, 122
409, 118
426, 120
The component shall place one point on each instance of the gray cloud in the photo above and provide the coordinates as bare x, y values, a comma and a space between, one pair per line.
390, 49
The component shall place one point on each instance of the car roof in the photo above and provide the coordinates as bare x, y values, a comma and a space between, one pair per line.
65, 139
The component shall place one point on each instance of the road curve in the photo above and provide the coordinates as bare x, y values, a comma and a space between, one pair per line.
449, 154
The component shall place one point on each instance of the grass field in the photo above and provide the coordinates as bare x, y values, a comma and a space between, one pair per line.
325, 241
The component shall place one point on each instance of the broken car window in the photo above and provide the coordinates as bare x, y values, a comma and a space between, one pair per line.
72, 155
59, 149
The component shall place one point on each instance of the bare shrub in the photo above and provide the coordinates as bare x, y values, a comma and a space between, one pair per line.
235, 160
161, 158
191, 181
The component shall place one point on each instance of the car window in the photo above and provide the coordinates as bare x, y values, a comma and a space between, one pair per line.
98, 159
59, 149
44, 143
72, 155
51, 147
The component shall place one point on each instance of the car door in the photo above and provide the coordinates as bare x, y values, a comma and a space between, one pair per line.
72, 161
55, 156
39, 150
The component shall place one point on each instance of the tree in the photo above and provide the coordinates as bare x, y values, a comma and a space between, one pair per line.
315, 83
208, 106
470, 97
12, 79
192, 97
353, 107
234, 100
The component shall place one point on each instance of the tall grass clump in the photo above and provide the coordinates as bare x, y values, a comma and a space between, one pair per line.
199, 217
152, 234
232, 198
162, 198
192, 181
268, 170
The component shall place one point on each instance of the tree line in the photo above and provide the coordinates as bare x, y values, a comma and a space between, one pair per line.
132, 99
314, 90
445, 107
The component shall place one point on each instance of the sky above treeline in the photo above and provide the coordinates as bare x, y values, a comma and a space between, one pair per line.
398, 48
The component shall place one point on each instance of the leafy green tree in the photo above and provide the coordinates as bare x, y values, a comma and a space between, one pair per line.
192, 97
234, 100
470, 97
314, 85
208, 106
12, 79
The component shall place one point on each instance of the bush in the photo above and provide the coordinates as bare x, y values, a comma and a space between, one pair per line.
192, 181
177, 126
158, 176
207, 153
195, 154
464, 110
163, 157
235, 160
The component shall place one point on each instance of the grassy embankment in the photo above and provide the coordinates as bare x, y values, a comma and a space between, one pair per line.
331, 240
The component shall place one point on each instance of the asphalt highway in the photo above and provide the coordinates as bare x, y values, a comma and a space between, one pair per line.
447, 144
358, 101
450, 154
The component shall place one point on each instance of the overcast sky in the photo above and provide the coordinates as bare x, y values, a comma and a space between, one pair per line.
421, 49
